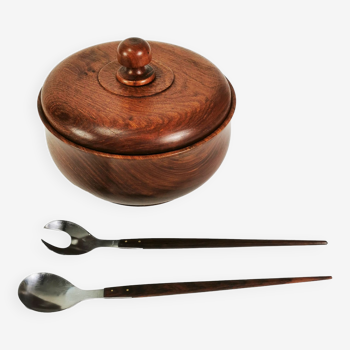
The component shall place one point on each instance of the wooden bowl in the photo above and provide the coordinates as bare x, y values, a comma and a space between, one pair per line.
131, 137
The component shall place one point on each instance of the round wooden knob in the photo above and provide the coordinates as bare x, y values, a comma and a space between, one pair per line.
135, 54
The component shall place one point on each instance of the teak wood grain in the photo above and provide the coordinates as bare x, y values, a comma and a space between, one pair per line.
164, 79
178, 243
78, 107
139, 180
161, 289
137, 145
135, 54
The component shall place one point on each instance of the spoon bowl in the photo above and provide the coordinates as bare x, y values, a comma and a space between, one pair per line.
46, 292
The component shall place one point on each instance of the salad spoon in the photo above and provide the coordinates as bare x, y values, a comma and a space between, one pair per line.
46, 292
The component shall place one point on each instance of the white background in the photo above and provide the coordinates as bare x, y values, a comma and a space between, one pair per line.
286, 176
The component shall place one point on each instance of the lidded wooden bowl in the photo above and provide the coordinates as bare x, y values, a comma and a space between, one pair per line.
136, 122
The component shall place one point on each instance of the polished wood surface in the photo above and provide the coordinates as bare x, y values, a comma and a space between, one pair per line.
195, 103
137, 145
164, 79
139, 180
135, 54
160, 289
179, 243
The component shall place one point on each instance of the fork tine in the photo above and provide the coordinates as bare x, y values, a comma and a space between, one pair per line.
70, 250
53, 248
73, 229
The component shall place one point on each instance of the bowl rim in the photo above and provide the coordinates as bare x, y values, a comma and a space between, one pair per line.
54, 132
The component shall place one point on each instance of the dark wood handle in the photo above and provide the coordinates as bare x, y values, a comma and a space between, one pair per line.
150, 290
135, 54
178, 243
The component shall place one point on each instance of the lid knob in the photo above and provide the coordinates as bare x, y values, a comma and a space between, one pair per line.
134, 54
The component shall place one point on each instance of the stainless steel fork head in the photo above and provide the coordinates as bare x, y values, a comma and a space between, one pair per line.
81, 240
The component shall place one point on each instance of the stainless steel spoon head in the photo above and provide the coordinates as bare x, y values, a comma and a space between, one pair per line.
81, 240
46, 292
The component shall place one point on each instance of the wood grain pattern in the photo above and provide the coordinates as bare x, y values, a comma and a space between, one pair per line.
161, 289
135, 54
190, 109
164, 78
180, 243
137, 145
143, 179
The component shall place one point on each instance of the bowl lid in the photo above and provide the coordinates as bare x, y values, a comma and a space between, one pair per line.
135, 97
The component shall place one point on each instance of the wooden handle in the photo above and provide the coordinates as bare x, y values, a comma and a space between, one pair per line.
151, 290
135, 54
179, 243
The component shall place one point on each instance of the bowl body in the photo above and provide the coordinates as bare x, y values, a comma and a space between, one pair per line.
141, 179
